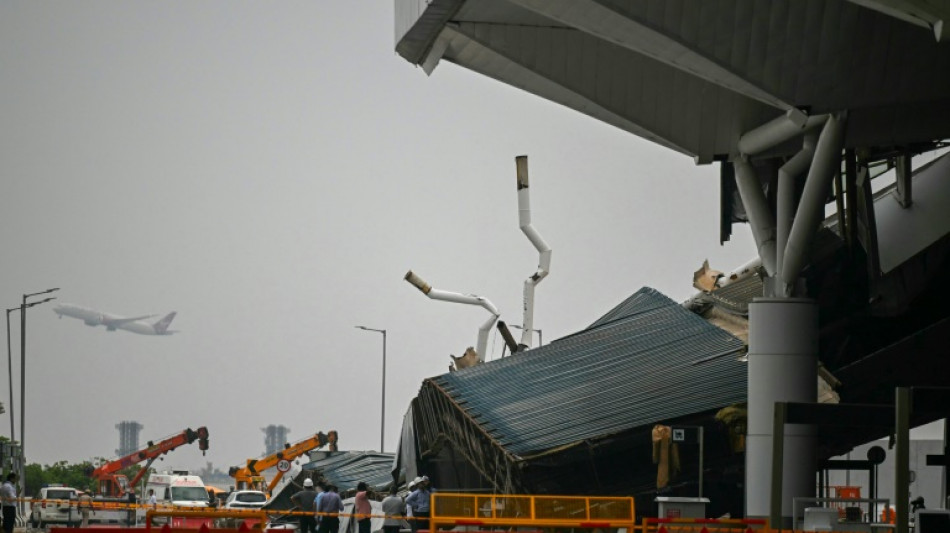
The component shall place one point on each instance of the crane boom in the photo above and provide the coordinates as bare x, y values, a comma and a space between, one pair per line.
113, 484
250, 473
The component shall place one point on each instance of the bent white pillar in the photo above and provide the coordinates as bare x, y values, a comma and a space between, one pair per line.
777, 131
827, 160
544, 251
783, 367
757, 209
471, 299
785, 203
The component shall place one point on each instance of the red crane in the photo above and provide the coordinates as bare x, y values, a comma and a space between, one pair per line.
111, 483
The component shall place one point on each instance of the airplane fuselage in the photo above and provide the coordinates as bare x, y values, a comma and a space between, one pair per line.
93, 318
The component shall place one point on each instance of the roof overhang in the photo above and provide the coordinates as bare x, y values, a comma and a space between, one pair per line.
694, 76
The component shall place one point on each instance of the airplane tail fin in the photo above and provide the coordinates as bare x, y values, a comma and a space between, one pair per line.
162, 325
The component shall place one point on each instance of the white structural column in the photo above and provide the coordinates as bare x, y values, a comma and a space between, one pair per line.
785, 202
783, 362
827, 161
757, 209
783, 329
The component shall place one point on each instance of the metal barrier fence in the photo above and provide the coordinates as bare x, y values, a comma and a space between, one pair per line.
506, 510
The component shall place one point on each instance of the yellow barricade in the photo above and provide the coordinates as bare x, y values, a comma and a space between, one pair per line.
507, 510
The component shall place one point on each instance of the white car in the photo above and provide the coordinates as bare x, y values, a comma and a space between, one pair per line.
55, 505
245, 499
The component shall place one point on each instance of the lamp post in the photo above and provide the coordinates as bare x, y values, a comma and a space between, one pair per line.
382, 423
23, 306
540, 339
10, 407
10, 375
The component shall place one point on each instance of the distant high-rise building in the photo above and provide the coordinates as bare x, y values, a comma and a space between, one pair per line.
128, 436
274, 438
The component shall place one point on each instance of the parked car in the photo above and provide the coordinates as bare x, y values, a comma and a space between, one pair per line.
245, 499
242, 500
54, 505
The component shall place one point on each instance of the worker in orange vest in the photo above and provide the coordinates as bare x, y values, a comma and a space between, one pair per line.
888, 515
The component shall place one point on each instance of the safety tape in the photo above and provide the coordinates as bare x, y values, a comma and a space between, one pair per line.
122, 506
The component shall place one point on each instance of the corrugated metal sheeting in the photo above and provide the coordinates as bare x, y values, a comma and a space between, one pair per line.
343, 469
581, 406
347, 469
647, 360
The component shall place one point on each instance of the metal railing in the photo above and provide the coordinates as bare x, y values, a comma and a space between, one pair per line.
451, 509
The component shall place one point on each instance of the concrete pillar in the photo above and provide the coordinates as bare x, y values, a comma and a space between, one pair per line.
783, 366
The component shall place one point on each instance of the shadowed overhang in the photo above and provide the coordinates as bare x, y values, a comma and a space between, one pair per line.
693, 76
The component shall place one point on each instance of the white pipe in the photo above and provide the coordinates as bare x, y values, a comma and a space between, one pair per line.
741, 273
785, 201
760, 216
777, 131
544, 261
826, 161
456, 297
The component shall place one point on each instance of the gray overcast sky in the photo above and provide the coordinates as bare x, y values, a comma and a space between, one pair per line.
271, 170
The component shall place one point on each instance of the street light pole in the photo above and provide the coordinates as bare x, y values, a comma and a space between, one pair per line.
23, 307
10, 375
540, 338
382, 423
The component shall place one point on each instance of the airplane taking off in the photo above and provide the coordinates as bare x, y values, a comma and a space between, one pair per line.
134, 324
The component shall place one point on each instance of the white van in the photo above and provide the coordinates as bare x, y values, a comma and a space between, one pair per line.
178, 489
55, 504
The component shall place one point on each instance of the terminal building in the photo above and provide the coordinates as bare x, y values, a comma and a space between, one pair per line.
839, 107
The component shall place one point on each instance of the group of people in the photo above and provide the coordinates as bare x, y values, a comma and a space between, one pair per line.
323, 504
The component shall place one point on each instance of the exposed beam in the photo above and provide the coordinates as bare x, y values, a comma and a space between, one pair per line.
932, 14
594, 18
477, 54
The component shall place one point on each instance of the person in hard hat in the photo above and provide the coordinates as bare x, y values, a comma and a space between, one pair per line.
304, 501
412, 487
418, 501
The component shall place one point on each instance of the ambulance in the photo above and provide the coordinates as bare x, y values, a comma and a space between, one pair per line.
178, 489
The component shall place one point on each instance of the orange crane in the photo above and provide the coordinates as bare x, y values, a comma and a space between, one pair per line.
111, 483
249, 475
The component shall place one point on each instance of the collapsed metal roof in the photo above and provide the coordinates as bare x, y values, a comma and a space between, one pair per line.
347, 469
647, 360
343, 469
